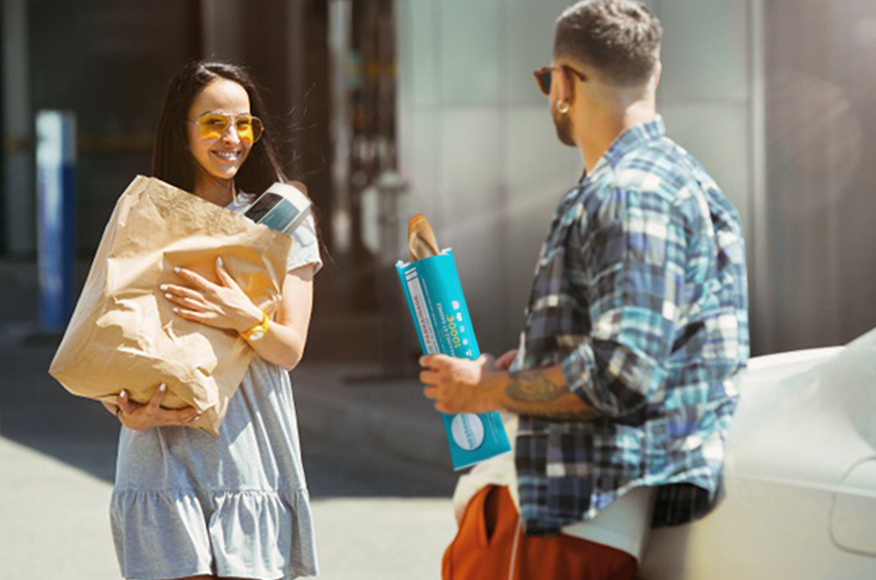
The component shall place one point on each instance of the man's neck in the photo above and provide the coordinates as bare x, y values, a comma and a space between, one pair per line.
607, 127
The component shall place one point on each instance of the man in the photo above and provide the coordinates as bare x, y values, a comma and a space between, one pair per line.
636, 327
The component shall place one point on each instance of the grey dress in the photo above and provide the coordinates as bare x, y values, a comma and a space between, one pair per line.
187, 503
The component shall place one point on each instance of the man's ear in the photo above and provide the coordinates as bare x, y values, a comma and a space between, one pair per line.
566, 86
655, 78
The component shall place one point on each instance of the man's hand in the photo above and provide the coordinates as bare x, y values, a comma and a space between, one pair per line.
504, 362
459, 385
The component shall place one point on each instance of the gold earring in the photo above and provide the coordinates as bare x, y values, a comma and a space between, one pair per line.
563, 107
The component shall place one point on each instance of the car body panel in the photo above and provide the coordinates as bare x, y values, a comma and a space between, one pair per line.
798, 498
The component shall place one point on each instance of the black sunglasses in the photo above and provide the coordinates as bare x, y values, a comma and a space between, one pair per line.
543, 76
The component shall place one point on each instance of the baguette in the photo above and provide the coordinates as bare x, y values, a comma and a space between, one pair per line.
421, 239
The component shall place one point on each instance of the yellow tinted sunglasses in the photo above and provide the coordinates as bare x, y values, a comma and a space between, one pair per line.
213, 126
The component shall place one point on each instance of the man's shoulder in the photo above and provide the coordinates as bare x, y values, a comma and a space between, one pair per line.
659, 165
662, 169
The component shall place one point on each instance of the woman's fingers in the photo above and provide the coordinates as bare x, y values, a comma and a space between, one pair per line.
182, 416
124, 403
224, 305
185, 416
152, 414
155, 402
193, 301
173, 290
223, 275
185, 297
195, 278
175, 417
197, 316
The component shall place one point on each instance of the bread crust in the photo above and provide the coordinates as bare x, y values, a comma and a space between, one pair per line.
421, 239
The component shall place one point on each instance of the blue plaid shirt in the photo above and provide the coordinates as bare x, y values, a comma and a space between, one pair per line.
640, 293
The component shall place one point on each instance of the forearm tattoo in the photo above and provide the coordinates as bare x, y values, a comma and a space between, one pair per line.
534, 387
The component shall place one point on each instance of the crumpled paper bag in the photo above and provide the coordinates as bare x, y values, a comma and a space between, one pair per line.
124, 334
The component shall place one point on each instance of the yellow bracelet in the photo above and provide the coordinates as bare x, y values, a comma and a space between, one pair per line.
258, 331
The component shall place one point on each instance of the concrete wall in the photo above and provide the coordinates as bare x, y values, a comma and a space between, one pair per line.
477, 143
17, 227
821, 134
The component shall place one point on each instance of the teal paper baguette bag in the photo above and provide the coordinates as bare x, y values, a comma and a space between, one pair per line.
434, 295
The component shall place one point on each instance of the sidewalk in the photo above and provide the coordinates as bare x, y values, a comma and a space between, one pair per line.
391, 416
54, 519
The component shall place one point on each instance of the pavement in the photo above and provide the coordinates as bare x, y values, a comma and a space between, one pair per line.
375, 452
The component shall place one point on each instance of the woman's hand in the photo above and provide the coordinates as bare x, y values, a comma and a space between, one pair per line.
140, 417
222, 305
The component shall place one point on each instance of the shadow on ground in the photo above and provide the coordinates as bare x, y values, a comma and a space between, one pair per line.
37, 412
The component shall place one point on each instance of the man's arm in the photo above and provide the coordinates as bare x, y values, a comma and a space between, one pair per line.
543, 392
464, 386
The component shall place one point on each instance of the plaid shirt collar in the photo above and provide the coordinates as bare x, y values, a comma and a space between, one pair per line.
627, 141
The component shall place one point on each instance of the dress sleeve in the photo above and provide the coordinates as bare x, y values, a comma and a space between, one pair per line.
305, 247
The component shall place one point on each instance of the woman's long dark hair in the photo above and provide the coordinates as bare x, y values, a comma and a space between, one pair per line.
172, 160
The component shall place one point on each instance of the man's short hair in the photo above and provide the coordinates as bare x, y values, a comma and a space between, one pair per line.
620, 38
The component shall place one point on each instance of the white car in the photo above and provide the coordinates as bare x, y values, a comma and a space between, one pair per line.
799, 492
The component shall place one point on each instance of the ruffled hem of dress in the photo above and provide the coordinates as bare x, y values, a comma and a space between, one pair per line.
174, 533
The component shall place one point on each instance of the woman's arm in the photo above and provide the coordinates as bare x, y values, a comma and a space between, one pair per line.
283, 343
225, 305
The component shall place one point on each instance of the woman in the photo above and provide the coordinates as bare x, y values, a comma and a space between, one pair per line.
187, 504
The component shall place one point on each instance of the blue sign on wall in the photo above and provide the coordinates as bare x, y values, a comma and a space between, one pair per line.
56, 162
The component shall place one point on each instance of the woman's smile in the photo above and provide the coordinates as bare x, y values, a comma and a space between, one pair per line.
229, 156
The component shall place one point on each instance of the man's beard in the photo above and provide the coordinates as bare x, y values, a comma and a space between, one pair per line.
563, 124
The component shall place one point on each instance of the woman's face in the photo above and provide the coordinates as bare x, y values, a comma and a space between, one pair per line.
219, 157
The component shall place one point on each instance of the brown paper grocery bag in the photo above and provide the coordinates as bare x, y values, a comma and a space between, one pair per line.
124, 334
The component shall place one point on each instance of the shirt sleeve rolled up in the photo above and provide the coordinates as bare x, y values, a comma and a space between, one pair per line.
632, 254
